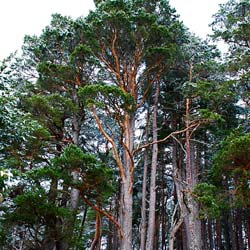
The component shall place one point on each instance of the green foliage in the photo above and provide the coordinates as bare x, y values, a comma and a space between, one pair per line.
210, 199
32, 207
234, 153
51, 109
20, 135
96, 179
231, 168
73, 157
108, 97
53, 74
81, 53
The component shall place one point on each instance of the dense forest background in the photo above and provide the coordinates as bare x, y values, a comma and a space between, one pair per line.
122, 130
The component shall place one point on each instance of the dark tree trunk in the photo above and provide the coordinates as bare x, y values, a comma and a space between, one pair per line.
218, 235
210, 234
83, 222
239, 228
157, 231
204, 234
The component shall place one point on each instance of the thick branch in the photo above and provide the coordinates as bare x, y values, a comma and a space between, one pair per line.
109, 139
105, 213
97, 231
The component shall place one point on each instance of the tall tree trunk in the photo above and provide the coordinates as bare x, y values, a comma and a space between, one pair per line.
127, 184
126, 168
143, 225
126, 215
193, 224
152, 200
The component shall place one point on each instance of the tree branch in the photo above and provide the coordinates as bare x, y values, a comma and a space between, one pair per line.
164, 139
117, 64
109, 139
105, 213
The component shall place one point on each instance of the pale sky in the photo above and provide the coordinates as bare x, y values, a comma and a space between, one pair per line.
21, 17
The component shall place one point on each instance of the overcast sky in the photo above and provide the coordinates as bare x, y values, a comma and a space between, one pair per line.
20, 17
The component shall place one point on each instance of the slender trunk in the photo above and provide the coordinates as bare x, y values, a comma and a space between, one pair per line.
143, 225
163, 209
152, 201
